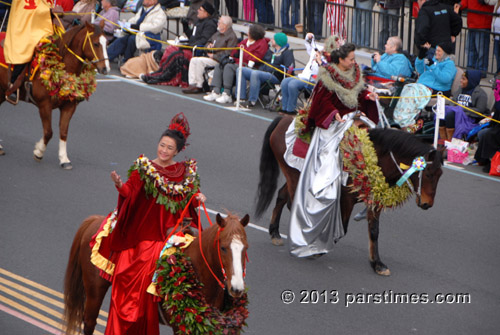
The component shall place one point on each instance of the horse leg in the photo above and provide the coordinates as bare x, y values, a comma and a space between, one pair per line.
67, 112
274, 226
347, 202
95, 294
373, 224
45, 110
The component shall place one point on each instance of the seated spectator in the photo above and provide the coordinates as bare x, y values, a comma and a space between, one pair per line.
65, 5
438, 73
392, 62
290, 86
110, 13
150, 19
174, 64
223, 38
489, 140
191, 18
82, 6
225, 73
458, 121
279, 56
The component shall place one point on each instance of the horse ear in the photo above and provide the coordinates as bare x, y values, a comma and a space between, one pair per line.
90, 27
245, 220
220, 221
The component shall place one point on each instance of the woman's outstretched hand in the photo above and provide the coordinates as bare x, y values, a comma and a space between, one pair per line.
115, 177
201, 197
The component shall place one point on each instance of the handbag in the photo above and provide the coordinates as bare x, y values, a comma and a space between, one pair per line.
141, 42
495, 165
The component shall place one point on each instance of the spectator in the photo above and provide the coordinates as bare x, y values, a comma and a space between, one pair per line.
110, 13
278, 56
82, 6
495, 28
314, 12
437, 74
489, 139
285, 14
225, 73
362, 22
232, 8
66, 5
192, 15
290, 86
392, 62
150, 20
223, 38
436, 23
249, 10
335, 18
478, 38
458, 121
265, 11
389, 15
174, 64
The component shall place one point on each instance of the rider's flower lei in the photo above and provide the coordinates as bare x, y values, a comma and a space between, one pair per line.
341, 80
172, 195
361, 162
177, 281
58, 82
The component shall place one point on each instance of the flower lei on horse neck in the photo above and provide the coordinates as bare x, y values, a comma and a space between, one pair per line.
58, 82
176, 281
361, 162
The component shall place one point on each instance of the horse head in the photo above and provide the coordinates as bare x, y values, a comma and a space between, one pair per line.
94, 46
232, 248
426, 183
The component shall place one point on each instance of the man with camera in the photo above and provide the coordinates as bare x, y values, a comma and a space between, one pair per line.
225, 37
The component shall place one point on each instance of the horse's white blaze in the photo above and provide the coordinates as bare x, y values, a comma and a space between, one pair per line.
103, 42
237, 282
40, 148
63, 155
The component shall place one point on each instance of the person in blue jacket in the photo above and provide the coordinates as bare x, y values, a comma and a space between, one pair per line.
392, 62
437, 74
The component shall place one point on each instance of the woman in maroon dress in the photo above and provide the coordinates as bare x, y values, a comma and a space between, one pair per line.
149, 203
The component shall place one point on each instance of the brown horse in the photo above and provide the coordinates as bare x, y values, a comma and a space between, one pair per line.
405, 147
84, 288
87, 42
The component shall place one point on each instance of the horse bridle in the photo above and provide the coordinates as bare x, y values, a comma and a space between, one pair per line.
88, 36
418, 192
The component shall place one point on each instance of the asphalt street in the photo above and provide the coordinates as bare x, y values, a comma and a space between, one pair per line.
451, 249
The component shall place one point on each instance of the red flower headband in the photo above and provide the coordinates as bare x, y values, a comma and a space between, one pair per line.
180, 123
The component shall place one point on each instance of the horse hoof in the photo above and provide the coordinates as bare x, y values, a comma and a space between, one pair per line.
67, 166
277, 241
37, 158
2, 152
383, 272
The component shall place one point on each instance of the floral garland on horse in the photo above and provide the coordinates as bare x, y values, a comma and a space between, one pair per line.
57, 81
176, 281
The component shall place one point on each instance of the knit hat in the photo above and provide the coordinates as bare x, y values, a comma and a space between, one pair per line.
280, 39
209, 8
447, 47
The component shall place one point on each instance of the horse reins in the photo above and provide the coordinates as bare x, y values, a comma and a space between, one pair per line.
87, 37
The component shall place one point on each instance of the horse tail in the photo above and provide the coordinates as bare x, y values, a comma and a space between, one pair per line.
74, 291
269, 171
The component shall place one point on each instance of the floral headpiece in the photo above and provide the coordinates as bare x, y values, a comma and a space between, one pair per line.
179, 122
333, 43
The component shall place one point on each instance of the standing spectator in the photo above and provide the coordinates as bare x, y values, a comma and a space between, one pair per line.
223, 38
362, 22
279, 55
290, 86
225, 73
110, 14
249, 10
495, 28
389, 18
478, 39
392, 62
265, 11
436, 23
285, 13
232, 8
335, 17
314, 12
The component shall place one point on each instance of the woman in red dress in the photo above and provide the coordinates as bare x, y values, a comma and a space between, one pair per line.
149, 203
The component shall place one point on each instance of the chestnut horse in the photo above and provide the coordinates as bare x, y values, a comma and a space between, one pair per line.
403, 146
84, 288
88, 43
